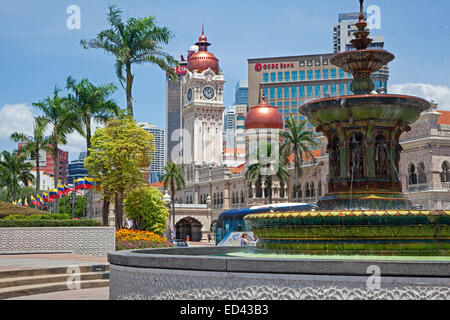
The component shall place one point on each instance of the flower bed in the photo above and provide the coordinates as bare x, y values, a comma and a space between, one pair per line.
134, 239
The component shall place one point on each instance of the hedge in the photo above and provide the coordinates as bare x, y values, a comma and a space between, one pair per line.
43, 216
48, 223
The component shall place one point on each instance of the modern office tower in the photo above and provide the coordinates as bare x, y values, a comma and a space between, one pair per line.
77, 169
288, 82
46, 163
229, 121
159, 158
234, 139
174, 105
241, 92
343, 34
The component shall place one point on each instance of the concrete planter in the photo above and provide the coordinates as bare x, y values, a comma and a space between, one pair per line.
95, 241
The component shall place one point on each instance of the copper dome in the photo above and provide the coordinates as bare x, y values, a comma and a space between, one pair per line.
263, 116
202, 60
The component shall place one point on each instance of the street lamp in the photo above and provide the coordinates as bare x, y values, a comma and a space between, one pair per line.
167, 199
73, 201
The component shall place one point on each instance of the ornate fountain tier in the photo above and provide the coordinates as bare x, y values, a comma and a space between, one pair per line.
363, 134
354, 232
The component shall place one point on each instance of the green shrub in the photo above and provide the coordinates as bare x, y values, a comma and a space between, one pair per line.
40, 223
145, 205
44, 216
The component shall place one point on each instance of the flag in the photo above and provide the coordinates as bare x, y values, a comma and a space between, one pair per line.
20, 202
67, 190
88, 182
25, 203
39, 201
33, 200
14, 202
53, 194
45, 197
79, 184
60, 190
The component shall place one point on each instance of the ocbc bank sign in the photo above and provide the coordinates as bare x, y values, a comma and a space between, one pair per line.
273, 66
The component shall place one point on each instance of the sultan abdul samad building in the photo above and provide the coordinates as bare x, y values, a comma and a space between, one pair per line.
212, 187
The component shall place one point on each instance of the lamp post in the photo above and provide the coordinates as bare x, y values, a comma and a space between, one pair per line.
167, 199
73, 201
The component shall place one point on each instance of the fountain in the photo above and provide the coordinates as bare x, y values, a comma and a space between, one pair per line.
364, 211
341, 238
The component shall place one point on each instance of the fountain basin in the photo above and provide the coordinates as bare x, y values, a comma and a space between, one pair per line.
367, 61
388, 108
370, 232
228, 273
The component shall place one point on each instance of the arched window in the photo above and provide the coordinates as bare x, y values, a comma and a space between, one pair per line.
320, 189
412, 176
300, 192
422, 177
445, 174
313, 191
242, 197
307, 192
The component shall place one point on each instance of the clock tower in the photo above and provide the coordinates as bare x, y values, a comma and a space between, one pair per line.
203, 108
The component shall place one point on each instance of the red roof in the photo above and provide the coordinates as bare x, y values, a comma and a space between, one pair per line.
238, 169
316, 154
444, 118
157, 185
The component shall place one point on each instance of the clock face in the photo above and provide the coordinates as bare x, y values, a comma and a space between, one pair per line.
189, 94
208, 93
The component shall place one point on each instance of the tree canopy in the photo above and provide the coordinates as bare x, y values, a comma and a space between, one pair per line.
118, 154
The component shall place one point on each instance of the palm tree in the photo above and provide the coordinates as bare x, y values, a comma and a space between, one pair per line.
298, 142
14, 169
138, 41
91, 102
31, 146
173, 178
63, 120
265, 170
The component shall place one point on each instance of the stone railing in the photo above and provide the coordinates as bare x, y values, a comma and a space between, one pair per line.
418, 187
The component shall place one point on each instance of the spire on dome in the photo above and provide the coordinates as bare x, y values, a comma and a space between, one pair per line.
203, 43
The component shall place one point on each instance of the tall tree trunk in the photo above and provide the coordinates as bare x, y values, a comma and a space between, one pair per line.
38, 172
105, 212
88, 136
172, 191
119, 210
56, 168
129, 88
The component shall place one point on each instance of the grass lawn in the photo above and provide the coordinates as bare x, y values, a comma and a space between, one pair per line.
9, 208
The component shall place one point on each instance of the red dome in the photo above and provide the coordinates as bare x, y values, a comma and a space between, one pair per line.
263, 116
203, 60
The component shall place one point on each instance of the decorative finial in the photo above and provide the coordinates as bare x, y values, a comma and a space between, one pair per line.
361, 8
263, 96
203, 29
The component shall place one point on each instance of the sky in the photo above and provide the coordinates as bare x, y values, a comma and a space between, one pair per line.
39, 51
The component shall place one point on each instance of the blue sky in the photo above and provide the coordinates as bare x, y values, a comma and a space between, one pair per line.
38, 51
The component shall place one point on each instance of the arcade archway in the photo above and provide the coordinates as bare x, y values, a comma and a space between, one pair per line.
189, 227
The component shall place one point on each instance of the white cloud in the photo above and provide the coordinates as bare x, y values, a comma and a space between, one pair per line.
20, 118
440, 94
15, 118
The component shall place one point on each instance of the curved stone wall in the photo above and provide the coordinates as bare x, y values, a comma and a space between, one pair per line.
207, 273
